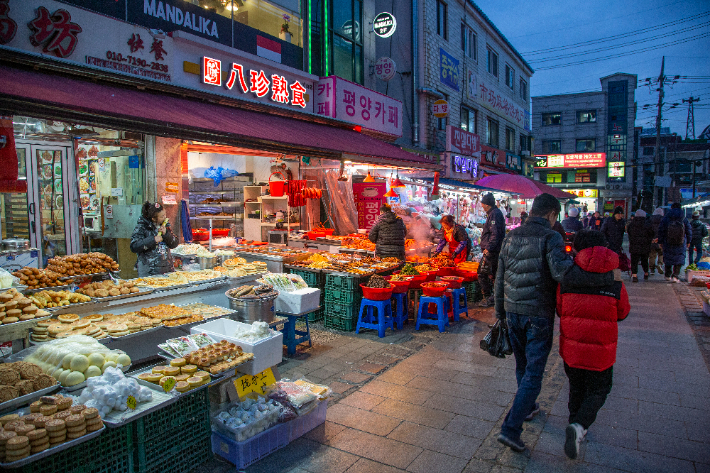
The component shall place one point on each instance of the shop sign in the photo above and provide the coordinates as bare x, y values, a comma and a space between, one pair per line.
385, 69
369, 197
338, 98
254, 383
441, 108
490, 97
584, 193
384, 24
448, 69
55, 32
461, 141
108, 211
464, 165
347, 29
617, 169
171, 187
492, 156
590, 160
513, 161
259, 83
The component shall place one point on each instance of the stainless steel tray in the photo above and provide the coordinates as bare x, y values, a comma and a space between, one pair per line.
131, 335
221, 374
53, 450
27, 398
72, 306
160, 400
53, 288
169, 288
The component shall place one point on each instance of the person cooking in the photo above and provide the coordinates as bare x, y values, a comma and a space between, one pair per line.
457, 238
388, 234
152, 241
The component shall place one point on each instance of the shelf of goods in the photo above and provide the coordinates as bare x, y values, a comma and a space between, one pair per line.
275, 258
256, 206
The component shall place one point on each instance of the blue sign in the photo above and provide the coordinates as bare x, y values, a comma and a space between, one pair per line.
133, 162
448, 69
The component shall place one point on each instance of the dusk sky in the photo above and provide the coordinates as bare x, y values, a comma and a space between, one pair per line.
538, 25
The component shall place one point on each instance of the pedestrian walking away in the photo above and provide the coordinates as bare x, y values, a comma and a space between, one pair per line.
388, 234
491, 240
674, 236
641, 235
532, 261
572, 223
656, 250
613, 229
700, 231
588, 335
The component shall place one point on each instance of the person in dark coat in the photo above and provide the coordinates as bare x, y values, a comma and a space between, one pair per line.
656, 250
491, 240
595, 222
587, 218
523, 217
674, 235
700, 231
640, 236
572, 224
388, 234
613, 229
152, 241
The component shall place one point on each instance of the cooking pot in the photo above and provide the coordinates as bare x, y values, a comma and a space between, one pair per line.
15, 244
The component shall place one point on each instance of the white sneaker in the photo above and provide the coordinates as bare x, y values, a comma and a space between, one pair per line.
675, 279
574, 434
668, 278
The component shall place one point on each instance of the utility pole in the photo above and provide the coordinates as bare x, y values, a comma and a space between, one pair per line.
690, 123
657, 153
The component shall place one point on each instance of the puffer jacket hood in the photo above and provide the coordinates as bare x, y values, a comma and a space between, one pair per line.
388, 217
388, 235
597, 259
675, 214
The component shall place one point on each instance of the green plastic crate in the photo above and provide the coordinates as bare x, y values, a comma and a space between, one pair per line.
173, 455
189, 417
110, 452
347, 283
342, 310
311, 278
317, 315
342, 296
346, 324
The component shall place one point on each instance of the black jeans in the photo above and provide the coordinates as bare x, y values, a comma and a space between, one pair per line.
487, 273
673, 270
698, 247
587, 393
637, 258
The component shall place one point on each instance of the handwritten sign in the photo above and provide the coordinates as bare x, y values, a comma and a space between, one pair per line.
169, 199
169, 384
171, 187
254, 384
131, 403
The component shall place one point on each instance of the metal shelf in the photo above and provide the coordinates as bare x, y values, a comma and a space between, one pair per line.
217, 204
219, 217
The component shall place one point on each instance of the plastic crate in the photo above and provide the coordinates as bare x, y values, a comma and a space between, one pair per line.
342, 310
110, 452
346, 324
173, 455
188, 418
342, 296
311, 278
317, 315
302, 425
347, 283
248, 452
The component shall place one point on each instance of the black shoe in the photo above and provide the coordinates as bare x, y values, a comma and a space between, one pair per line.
535, 411
515, 445
645, 276
635, 279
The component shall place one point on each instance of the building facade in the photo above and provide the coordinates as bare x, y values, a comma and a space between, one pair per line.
583, 142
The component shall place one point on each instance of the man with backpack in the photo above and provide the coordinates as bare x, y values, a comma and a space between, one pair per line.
700, 231
674, 235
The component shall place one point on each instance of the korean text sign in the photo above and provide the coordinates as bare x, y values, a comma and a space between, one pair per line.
369, 196
448, 69
338, 98
589, 160
461, 141
490, 97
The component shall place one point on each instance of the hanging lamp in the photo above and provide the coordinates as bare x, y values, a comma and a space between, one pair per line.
391, 193
368, 178
397, 183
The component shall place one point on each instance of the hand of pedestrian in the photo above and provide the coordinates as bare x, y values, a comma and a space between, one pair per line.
163, 230
617, 274
655, 240
158, 238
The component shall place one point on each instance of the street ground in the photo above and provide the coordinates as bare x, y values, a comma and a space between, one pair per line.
429, 402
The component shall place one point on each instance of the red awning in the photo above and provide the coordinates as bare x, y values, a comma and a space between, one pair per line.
525, 187
125, 108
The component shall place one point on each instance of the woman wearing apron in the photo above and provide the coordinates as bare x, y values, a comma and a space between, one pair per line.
457, 239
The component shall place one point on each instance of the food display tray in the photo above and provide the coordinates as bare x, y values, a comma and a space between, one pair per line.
232, 369
72, 306
53, 450
66, 287
143, 291
27, 398
131, 335
116, 419
82, 385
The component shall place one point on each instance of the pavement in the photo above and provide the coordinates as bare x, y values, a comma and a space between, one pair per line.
429, 402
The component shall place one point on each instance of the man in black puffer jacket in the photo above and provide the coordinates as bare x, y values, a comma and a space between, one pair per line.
640, 236
388, 234
613, 229
531, 264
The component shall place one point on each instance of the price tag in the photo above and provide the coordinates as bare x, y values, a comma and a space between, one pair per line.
169, 384
254, 384
131, 403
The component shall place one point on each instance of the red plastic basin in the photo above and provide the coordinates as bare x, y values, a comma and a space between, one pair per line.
375, 293
434, 289
448, 271
454, 282
416, 281
430, 275
468, 276
220, 232
399, 287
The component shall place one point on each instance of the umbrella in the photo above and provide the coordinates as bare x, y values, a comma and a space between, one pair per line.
525, 187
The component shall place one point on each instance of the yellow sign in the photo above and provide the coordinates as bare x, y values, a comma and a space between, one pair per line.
171, 187
254, 384
131, 403
169, 384
441, 108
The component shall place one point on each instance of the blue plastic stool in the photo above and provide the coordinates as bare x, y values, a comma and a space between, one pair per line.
440, 318
293, 337
381, 321
456, 298
401, 313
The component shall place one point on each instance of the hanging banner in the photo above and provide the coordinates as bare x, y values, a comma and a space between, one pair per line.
369, 197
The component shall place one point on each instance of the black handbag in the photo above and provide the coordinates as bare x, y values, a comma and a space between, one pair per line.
497, 342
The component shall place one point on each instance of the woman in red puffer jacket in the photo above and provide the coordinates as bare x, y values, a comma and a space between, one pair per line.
588, 335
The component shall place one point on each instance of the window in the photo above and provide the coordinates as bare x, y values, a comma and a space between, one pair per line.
586, 116
492, 133
509, 76
523, 143
468, 42
554, 118
441, 25
442, 122
551, 146
649, 150
586, 145
523, 89
509, 139
468, 120
346, 53
264, 16
554, 178
492, 62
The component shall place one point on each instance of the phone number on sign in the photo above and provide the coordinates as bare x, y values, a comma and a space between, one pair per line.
135, 61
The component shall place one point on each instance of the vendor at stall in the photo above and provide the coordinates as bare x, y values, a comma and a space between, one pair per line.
152, 241
388, 234
457, 238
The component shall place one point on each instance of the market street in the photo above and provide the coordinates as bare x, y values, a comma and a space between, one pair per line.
440, 409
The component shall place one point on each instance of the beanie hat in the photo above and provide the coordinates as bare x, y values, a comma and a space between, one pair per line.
488, 199
573, 212
696, 214
658, 211
619, 210
640, 213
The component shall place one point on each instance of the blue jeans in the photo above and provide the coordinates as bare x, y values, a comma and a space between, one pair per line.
698, 247
531, 339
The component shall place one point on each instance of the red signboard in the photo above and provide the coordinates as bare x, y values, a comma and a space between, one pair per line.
492, 156
369, 196
588, 160
461, 141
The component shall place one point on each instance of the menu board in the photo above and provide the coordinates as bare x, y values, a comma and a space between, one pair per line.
369, 197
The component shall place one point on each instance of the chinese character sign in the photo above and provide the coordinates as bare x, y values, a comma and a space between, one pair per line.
369, 196
337, 98
491, 98
448, 70
55, 32
8, 26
